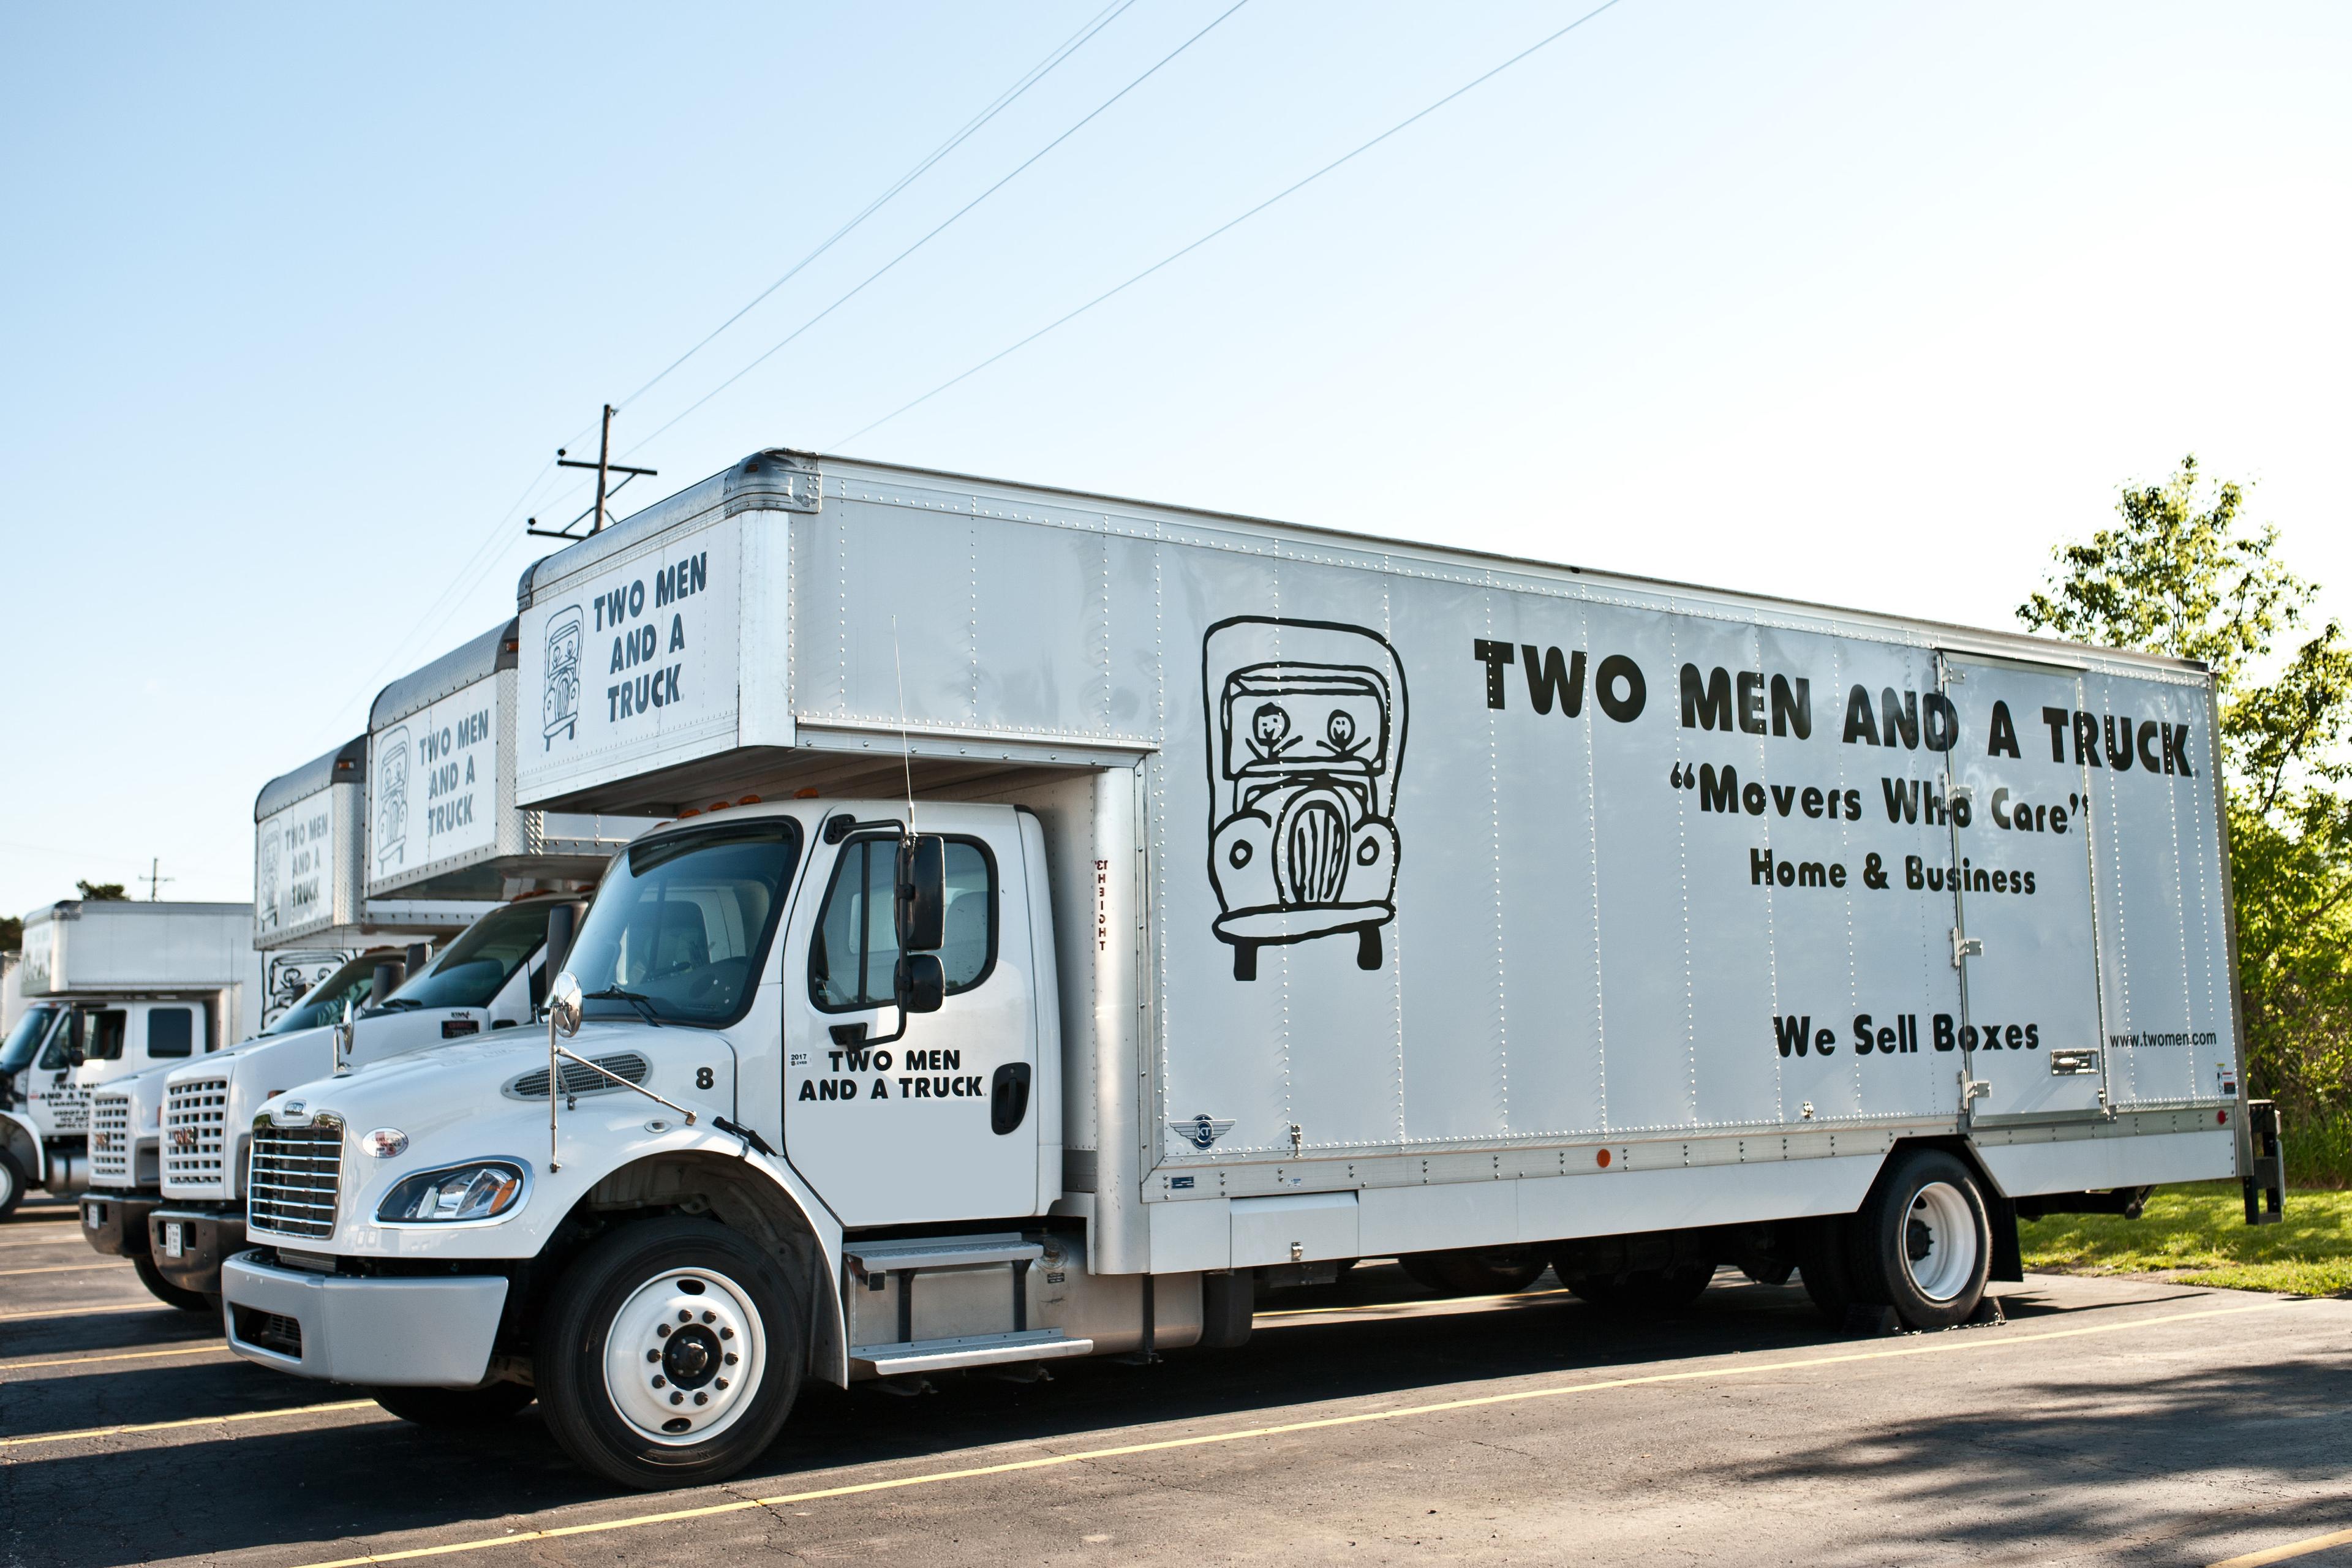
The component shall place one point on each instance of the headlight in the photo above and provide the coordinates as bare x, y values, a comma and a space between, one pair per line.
480, 1189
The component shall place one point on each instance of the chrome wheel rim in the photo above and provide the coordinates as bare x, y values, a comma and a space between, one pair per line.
684, 1354
1939, 1241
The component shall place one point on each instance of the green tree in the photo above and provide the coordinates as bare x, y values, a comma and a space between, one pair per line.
2186, 572
12, 933
101, 892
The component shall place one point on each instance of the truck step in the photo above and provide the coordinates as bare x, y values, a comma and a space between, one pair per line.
968, 1349
941, 1252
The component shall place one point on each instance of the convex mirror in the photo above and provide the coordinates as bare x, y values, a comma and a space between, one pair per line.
563, 1005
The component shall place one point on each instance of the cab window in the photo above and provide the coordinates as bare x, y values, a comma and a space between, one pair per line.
103, 1035
171, 1032
853, 958
58, 1055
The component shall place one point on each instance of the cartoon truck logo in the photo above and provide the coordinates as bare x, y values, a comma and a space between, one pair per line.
1306, 726
559, 703
269, 914
392, 799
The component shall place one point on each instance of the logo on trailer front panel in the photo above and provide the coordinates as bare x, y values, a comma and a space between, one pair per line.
1306, 726
560, 692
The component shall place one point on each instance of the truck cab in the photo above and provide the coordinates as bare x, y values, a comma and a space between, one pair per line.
742, 991
490, 978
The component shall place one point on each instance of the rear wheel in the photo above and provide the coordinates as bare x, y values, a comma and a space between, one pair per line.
171, 1295
12, 1183
1923, 1243
671, 1354
1644, 1290
456, 1409
1474, 1272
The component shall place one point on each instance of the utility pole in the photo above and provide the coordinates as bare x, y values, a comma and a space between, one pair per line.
605, 469
155, 882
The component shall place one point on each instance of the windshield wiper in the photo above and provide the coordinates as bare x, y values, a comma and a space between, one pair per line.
643, 1005
395, 1005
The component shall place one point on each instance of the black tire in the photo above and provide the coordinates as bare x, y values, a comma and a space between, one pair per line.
456, 1409
1228, 1307
12, 1183
1923, 1241
1644, 1290
1825, 1268
631, 1282
171, 1295
1474, 1272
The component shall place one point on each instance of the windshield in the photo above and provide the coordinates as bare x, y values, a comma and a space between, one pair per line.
323, 1003
25, 1038
682, 921
478, 964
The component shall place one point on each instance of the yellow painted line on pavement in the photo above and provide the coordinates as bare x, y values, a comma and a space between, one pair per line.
66, 1268
1927, 1346
86, 1311
117, 1355
2292, 1550
191, 1421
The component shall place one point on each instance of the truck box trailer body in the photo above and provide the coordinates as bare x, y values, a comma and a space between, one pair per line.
1336, 897
426, 839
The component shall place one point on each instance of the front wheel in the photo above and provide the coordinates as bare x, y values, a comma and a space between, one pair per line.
671, 1354
171, 1295
12, 1183
1922, 1243
456, 1409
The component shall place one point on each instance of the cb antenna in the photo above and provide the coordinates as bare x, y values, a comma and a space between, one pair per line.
906, 757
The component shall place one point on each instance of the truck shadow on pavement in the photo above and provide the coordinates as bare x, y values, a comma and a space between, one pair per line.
263, 1486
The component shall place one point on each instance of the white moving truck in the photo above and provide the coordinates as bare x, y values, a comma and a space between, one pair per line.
1075, 911
306, 918
112, 988
428, 842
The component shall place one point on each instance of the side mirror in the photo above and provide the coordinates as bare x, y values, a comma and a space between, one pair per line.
563, 1000
923, 894
921, 984
388, 976
346, 1031
419, 954
560, 928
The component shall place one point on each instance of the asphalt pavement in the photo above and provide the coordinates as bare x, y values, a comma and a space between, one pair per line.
2109, 1420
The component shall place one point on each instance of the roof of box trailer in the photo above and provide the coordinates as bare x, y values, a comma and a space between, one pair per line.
728, 485
348, 760
134, 908
462, 666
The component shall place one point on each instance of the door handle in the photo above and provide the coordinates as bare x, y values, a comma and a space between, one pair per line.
1008, 1097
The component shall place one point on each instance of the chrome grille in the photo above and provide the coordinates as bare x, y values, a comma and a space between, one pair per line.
578, 1079
1316, 853
195, 1131
296, 1173
109, 1140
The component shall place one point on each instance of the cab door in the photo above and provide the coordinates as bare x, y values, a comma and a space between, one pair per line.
938, 1124
2025, 922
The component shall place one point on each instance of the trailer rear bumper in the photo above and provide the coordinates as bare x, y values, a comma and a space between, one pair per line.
434, 1333
115, 1223
188, 1245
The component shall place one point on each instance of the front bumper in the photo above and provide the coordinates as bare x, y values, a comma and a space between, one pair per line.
433, 1333
115, 1223
187, 1245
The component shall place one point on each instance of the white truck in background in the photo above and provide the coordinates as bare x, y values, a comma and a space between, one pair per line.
1075, 913
304, 924
112, 987
429, 839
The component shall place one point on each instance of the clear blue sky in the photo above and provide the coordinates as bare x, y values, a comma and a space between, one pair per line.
1863, 303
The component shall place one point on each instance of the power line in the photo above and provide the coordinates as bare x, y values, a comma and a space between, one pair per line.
469, 575
934, 234
1004, 100
1226, 227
